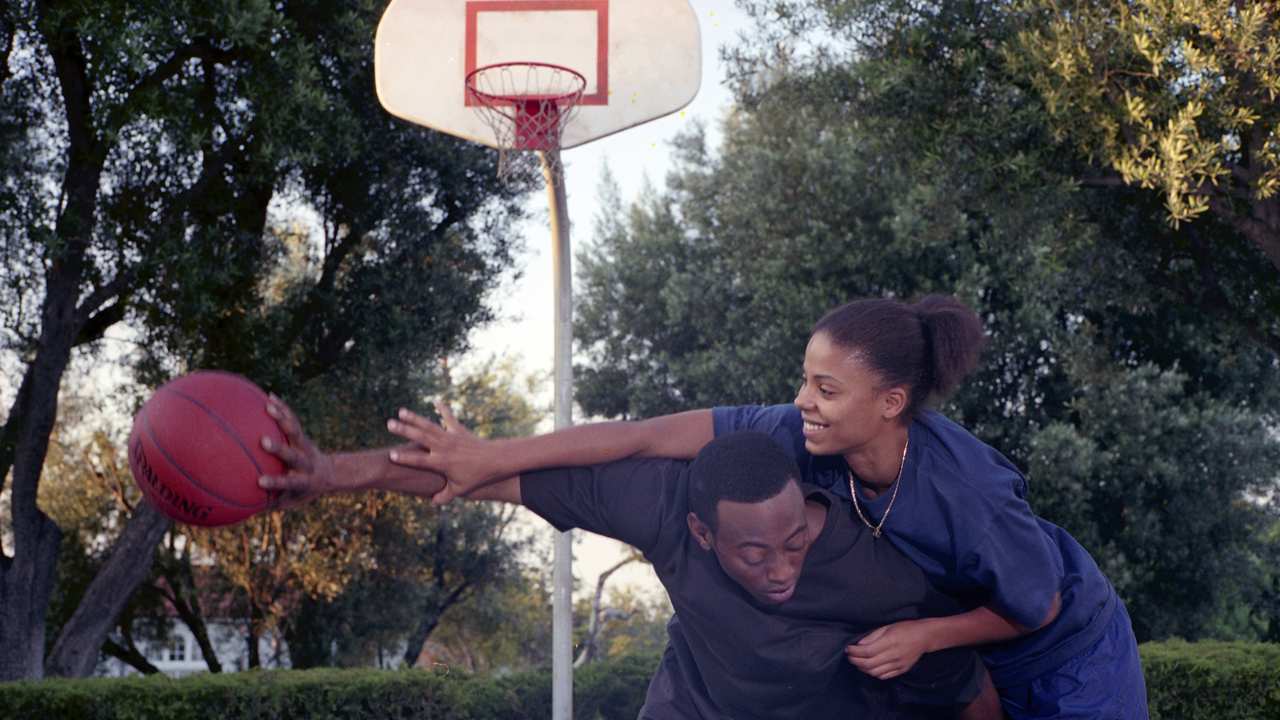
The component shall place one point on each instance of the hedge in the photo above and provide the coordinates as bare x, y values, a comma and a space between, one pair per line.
1228, 681
1185, 681
611, 690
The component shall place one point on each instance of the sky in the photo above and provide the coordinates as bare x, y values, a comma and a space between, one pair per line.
524, 327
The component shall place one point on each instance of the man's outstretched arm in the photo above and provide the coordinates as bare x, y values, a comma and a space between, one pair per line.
311, 472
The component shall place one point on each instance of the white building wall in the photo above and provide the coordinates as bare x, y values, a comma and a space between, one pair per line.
180, 655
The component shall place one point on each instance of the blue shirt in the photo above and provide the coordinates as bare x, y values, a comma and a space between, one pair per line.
961, 514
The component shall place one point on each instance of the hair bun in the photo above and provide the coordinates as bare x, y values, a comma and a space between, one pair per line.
954, 339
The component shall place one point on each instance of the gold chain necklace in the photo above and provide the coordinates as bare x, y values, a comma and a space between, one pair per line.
853, 490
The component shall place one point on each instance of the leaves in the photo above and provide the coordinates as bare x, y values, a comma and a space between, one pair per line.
1165, 93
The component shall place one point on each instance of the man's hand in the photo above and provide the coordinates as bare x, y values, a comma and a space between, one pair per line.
309, 472
467, 462
892, 650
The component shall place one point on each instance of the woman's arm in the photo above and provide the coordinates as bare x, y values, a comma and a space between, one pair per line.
894, 649
470, 463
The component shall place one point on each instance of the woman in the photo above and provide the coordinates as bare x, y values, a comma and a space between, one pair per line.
1057, 640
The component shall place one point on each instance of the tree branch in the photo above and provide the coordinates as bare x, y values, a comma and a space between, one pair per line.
70, 64
130, 656
10, 31
97, 324
589, 651
201, 47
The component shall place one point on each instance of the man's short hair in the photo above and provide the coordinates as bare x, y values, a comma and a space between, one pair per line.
746, 467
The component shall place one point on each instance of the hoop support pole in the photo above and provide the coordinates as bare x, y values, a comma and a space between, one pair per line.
562, 569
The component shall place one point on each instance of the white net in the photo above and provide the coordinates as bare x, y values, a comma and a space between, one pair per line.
527, 105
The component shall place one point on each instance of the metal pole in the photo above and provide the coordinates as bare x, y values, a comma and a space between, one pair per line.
562, 572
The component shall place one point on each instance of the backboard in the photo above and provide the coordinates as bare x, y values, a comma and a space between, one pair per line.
641, 59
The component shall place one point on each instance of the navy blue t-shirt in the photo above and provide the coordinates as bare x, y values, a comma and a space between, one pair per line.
961, 514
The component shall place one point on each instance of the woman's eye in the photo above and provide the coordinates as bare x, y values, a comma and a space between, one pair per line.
825, 392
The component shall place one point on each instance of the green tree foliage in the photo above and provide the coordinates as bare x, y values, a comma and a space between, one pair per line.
1177, 96
159, 164
885, 148
506, 627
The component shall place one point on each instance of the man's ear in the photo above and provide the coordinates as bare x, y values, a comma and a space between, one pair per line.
700, 531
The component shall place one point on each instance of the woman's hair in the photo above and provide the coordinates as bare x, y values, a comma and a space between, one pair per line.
928, 347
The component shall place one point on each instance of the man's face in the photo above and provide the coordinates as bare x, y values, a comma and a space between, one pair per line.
760, 545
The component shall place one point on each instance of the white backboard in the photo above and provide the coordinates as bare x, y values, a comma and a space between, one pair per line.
641, 59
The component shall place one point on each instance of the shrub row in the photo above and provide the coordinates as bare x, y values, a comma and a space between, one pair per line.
1225, 681
1185, 681
610, 690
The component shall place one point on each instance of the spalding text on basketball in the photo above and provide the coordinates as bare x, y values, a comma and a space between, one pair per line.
191, 509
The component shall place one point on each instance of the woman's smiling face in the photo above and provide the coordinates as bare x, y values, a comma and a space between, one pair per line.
841, 399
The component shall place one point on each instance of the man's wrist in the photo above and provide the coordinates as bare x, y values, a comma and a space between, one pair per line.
352, 472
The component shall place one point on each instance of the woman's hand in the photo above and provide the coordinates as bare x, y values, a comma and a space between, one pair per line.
892, 650
467, 462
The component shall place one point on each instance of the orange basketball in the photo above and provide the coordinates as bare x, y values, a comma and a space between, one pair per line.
196, 451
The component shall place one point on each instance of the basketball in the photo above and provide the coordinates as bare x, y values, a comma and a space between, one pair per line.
195, 449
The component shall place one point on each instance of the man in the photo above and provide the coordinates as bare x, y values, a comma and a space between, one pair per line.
728, 536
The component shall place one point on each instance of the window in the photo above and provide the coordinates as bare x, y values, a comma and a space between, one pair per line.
178, 649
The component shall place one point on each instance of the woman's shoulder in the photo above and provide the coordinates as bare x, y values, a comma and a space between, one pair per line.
781, 422
955, 461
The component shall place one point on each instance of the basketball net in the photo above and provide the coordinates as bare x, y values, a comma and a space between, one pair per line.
527, 105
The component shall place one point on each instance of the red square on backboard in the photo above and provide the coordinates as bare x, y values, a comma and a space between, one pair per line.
599, 7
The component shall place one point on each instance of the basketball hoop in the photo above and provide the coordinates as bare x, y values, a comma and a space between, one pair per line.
527, 104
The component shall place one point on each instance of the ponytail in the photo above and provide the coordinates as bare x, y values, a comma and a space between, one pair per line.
928, 347
953, 341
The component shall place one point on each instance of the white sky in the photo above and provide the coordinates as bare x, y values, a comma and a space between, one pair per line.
524, 328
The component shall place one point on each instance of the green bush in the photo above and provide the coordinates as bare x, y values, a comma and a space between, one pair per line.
1222, 681
605, 691
1185, 681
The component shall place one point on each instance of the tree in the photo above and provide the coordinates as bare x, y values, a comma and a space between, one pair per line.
623, 623
146, 150
885, 148
1177, 97
422, 562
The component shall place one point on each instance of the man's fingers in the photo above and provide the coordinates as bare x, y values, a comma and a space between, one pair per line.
287, 421
288, 454
284, 483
